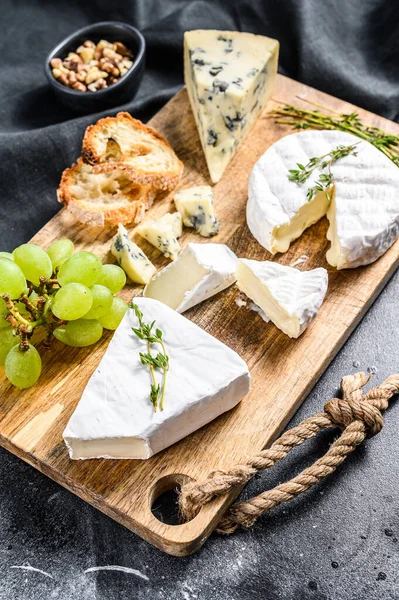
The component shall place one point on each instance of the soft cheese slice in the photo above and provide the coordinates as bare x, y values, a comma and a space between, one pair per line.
199, 272
289, 297
364, 210
196, 207
163, 233
229, 76
131, 258
115, 418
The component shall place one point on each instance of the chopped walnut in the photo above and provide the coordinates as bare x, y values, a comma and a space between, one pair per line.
93, 66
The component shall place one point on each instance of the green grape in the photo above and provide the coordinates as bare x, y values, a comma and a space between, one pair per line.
113, 277
33, 261
102, 301
114, 316
7, 255
60, 251
72, 301
7, 341
23, 367
3, 313
12, 280
80, 333
82, 267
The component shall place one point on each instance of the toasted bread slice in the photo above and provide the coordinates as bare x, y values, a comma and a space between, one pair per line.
125, 143
101, 199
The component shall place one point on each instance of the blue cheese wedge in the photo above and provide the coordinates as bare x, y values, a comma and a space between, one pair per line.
131, 258
115, 418
163, 233
229, 76
199, 272
196, 206
289, 297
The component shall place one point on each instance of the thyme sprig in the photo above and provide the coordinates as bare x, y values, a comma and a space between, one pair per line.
300, 118
326, 180
159, 361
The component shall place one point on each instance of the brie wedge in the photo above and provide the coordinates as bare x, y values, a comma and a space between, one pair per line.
196, 208
199, 272
289, 297
229, 76
364, 211
115, 418
131, 258
163, 233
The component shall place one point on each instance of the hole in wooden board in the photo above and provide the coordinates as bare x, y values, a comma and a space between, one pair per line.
164, 497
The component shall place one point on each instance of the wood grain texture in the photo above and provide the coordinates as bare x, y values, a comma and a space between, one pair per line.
283, 370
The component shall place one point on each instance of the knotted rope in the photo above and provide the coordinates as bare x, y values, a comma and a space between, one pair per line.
358, 416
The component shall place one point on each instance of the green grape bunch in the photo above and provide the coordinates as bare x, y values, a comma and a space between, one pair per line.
70, 295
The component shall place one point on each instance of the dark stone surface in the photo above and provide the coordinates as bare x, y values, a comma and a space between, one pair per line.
337, 542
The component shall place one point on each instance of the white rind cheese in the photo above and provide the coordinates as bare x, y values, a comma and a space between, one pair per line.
363, 213
289, 297
364, 210
115, 418
229, 76
131, 258
196, 206
199, 272
163, 233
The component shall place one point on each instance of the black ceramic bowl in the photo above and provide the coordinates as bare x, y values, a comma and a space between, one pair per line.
120, 92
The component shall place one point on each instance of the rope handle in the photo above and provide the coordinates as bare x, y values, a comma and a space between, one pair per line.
358, 416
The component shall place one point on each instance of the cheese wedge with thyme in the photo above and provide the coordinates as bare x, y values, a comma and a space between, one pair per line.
199, 272
361, 201
196, 206
289, 297
230, 76
115, 418
131, 258
163, 233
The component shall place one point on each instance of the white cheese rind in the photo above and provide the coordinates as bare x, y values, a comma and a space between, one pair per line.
364, 210
363, 213
196, 206
289, 297
199, 272
131, 257
229, 76
163, 233
115, 418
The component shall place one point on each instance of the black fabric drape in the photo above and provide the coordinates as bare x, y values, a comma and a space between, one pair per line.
348, 48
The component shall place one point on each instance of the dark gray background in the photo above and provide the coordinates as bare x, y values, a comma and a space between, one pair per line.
339, 541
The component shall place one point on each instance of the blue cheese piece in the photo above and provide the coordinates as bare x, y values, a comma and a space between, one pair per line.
288, 297
131, 258
163, 233
229, 76
199, 272
115, 418
195, 205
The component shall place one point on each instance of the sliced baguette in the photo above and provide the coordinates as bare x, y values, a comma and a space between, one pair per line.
127, 144
101, 199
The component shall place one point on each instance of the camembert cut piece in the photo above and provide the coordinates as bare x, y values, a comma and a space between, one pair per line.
163, 233
289, 297
199, 272
115, 418
131, 258
363, 212
229, 76
195, 205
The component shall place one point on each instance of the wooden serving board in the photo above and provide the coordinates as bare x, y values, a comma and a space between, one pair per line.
283, 370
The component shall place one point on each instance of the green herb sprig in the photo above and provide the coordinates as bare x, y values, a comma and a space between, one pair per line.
159, 361
326, 180
300, 118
